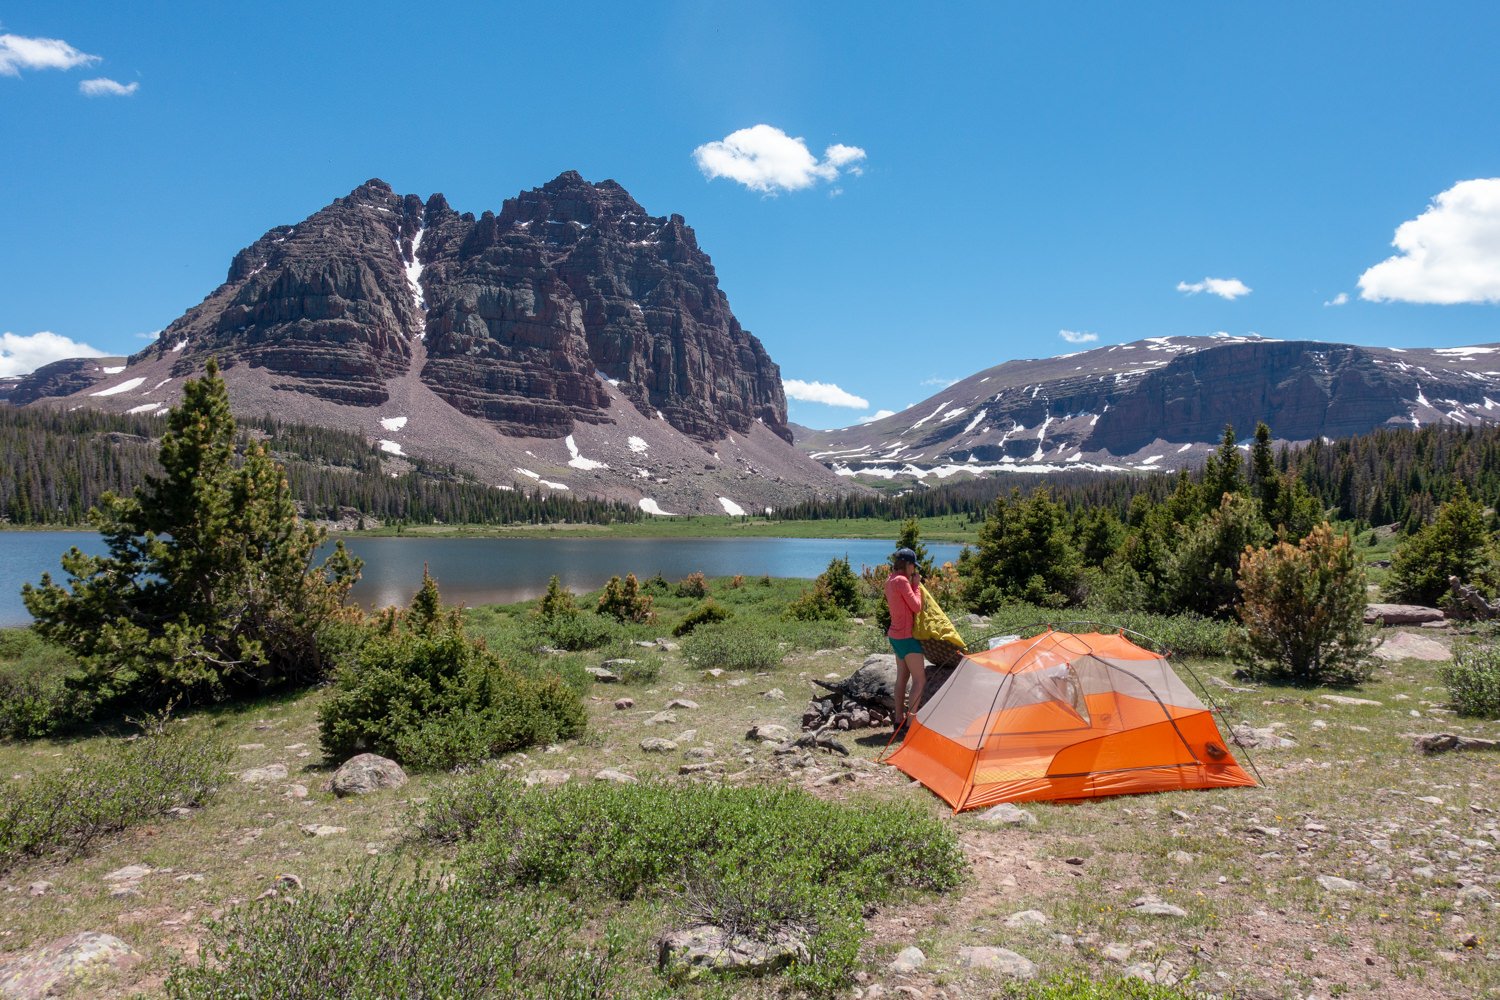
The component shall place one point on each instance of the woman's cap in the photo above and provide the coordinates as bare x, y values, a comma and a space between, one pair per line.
904, 555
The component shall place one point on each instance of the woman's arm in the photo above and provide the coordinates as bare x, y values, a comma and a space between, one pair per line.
910, 596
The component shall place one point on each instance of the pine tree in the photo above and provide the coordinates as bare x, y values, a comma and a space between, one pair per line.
209, 587
1456, 543
911, 538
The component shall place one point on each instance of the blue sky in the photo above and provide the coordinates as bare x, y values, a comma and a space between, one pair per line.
998, 173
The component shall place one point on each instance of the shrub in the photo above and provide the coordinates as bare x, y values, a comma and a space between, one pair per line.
208, 588
402, 937
752, 860
1473, 679
732, 645
423, 692
737, 581
584, 630
1456, 543
1303, 611
623, 601
35, 699
1201, 574
693, 586
1182, 635
104, 791
557, 602
1026, 552
657, 585
843, 585
706, 613
817, 604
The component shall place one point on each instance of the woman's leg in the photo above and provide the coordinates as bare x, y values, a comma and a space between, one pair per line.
902, 676
916, 667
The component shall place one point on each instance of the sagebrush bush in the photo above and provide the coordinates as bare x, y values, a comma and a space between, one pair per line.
1303, 609
107, 790
706, 613
404, 937
422, 691
753, 860
1473, 680
35, 699
732, 645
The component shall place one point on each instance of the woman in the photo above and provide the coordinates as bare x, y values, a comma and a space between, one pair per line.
903, 595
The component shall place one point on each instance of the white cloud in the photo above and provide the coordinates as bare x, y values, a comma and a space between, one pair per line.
766, 159
1224, 288
1077, 336
938, 380
1448, 254
148, 335
17, 52
1342, 298
822, 392
877, 415
22, 354
105, 87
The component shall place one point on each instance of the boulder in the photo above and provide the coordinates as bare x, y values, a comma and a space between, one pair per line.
546, 777
769, 733
601, 675
618, 777
1006, 814
1250, 737
655, 744
688, 954
1400, 614
366, 773
1407, 646
59, 966
908, 960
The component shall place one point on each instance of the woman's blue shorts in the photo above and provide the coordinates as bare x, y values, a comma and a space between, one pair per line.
905, 647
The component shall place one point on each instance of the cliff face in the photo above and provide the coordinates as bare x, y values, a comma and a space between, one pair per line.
519, 312
570, 344
1162, 403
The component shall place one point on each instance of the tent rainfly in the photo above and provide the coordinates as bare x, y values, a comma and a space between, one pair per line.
1064, 716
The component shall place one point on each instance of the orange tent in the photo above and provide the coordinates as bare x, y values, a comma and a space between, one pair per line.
1064, 716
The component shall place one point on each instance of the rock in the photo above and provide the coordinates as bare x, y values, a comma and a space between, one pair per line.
365, 773
601, 675
769, 733
686, 736
688, 954
59, 966
616, 664
682, 703
1406, 646
699, 753
1248, 736
1343, 699
908, 960
656, 744
546, 777
973, 619
1400, 614
713, 673
264, 775
1001, 960
130, 873
1026, 918
618, 777
295, 792
1444, 742
1151, 906
1180, 858
320, 830
1007, 814
775, 694
1332, 883
701, 767
40, 888
621, 704
1116, 952
251, 746
662, 719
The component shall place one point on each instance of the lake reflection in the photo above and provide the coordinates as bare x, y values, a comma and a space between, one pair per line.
497, 570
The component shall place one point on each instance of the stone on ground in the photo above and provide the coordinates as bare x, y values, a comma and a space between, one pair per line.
264, 775
682, 703
365, 773
1406, 646
655, 744
130, 873
1001, 960
602, 675
690, 953
618, 777
908, 960
1026, 918
662, 719
622, 704
59, 966
1344, 699
547, 777
1400, 614
1332, 883
769, 733
1007, 814
322, 830
1151, 906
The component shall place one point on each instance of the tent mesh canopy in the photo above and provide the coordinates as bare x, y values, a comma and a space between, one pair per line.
1064, 716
